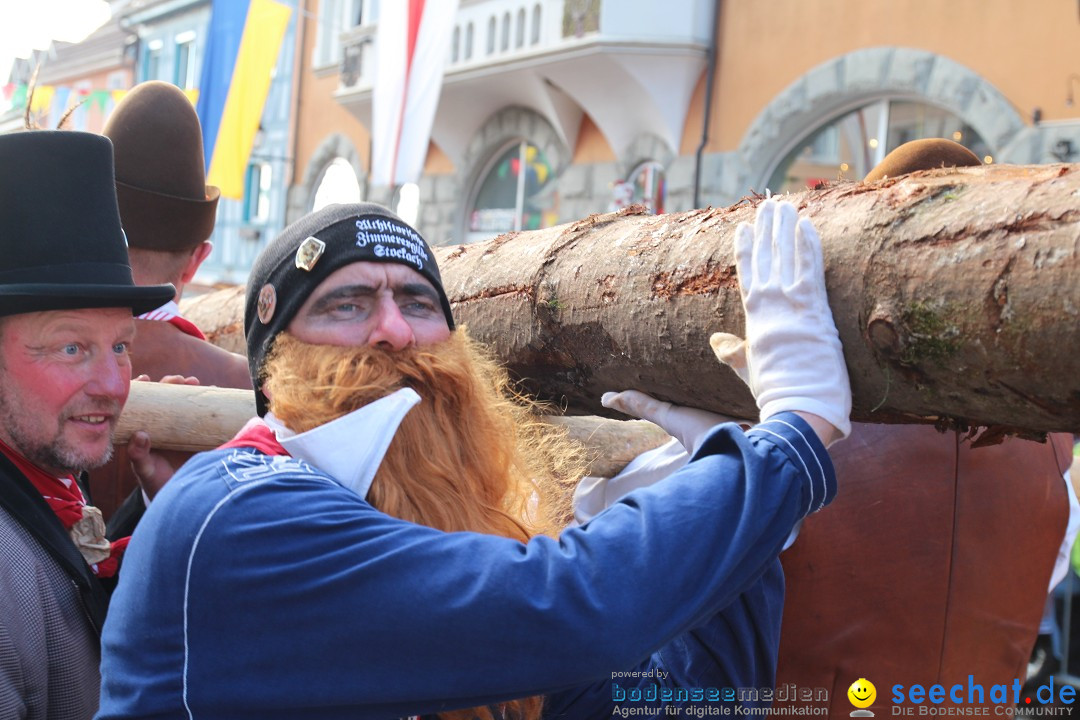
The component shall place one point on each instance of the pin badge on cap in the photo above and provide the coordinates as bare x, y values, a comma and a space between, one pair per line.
267, 303
309, 253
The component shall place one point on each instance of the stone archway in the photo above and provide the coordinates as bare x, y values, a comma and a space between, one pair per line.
645, 147
505, 126
332, 147
845, 82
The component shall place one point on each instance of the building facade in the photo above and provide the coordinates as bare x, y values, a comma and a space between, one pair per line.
551, 110
172, 40
555, 109
166, 40
75, 83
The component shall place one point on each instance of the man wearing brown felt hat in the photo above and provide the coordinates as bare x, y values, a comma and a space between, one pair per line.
168, 212
934, 563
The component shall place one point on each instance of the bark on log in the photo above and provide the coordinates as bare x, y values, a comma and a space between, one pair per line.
956, 294
220, 315
183, 417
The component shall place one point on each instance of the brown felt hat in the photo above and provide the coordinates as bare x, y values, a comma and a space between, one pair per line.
925, 154
165, 203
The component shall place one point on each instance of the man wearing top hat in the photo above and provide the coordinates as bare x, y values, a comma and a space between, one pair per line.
66, 303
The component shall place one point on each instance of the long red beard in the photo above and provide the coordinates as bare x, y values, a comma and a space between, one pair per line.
470, 456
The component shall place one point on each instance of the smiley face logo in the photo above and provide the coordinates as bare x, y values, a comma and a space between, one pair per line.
862, 693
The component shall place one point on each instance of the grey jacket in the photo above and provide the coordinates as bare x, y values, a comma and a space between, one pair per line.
51, 610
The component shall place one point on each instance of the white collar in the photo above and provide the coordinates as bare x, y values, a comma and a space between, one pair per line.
350, 448
166, 312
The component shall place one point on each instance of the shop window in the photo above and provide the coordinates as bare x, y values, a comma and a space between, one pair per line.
516, 193
328, 33
151, 64
260, 177
184, 71
848, 147
354, 13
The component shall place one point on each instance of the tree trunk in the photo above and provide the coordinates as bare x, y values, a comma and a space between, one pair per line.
955, 292
220, 315
193, 419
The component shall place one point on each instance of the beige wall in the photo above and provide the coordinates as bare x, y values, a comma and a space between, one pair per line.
1025, 48
319, 115
592, 146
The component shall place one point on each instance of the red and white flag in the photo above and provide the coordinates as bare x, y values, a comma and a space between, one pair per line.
412, 44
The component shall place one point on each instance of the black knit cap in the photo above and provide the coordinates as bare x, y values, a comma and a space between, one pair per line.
289, 269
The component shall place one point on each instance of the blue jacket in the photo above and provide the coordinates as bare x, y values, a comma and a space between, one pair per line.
258, 587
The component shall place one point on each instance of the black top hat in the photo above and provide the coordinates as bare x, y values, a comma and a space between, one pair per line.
62, 244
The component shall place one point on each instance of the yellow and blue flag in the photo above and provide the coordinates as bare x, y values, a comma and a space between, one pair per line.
244, 39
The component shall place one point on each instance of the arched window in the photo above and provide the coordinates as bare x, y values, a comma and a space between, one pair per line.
516, 193
338, 184
848, 147
519, 35
535, 25
455, 44
468, 41
491, 35
505, 44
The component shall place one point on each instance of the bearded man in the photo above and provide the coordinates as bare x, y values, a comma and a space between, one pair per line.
66, 304
384, 541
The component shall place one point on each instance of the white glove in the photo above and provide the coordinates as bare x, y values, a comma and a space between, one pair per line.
731, 350
686, 424
793, 350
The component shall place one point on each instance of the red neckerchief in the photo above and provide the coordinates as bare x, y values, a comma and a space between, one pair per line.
66, 501
169, 312
257, 434
186, 326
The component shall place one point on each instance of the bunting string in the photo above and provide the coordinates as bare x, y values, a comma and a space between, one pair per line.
63, 97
